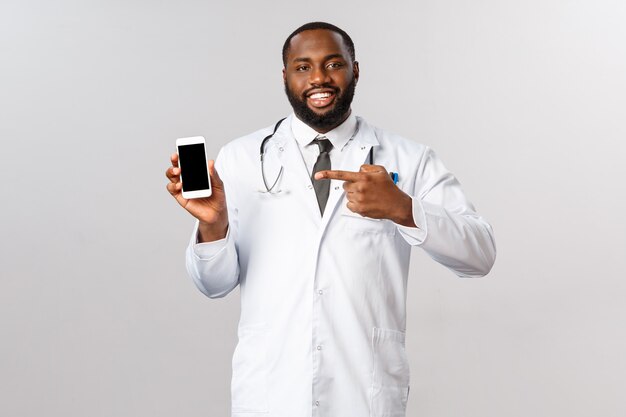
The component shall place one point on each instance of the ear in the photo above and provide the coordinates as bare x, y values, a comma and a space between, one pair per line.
355, 70
284, 75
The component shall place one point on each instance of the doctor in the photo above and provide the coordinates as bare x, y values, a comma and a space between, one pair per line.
318, 238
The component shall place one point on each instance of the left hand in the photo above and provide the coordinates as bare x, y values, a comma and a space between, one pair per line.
372, 193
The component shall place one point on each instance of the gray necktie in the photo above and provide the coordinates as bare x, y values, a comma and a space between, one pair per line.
322, 187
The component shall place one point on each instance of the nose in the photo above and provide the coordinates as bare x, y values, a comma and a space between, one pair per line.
319, 76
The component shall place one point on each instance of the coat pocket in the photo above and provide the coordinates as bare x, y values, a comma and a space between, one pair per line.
250, 372
364, 225
358, 224
390, 378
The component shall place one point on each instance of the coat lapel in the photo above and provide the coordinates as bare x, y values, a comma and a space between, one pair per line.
357, 152
295, 179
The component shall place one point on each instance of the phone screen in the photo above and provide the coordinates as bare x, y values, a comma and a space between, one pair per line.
193, 167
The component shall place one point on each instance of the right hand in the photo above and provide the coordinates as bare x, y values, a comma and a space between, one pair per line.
210, 211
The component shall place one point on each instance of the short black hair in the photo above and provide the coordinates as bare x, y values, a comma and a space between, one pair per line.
319, 25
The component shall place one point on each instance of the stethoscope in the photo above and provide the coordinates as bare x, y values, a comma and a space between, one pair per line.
394, 175
280, 173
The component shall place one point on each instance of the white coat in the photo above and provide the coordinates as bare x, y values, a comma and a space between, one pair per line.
323, 317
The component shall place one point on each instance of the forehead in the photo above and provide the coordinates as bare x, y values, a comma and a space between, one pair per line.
317, 43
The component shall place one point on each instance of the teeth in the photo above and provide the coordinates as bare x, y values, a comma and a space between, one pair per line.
317, 96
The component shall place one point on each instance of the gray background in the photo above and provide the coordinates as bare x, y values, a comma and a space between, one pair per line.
523, 100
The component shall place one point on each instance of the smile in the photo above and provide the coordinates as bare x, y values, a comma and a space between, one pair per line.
320, 99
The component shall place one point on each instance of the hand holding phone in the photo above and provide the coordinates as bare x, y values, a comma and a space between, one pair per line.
194, 170
210, 211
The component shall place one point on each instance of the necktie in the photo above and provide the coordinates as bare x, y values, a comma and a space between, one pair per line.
322, 187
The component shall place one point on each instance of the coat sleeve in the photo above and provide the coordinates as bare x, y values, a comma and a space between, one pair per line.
214, 266
448, 227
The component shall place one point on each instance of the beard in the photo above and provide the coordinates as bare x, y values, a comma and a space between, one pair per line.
325, 121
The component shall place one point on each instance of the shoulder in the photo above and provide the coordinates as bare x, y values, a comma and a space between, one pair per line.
248, 141
251, 143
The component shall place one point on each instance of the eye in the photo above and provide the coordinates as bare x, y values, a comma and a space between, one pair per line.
335, 65
301, 68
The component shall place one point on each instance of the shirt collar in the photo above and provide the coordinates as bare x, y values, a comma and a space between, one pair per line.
339, 136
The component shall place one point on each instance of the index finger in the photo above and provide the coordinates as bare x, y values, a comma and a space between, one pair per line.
337, 175
174, 159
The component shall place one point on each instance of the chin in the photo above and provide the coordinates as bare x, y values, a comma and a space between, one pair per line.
322, 112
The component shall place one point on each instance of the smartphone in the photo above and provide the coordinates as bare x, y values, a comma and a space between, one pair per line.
194, 170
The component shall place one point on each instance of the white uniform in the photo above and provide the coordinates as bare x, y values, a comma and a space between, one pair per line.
323, 314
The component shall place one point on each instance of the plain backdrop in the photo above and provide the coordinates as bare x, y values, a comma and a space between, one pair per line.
525, 101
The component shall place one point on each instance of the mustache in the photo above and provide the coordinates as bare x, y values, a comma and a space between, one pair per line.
329, 87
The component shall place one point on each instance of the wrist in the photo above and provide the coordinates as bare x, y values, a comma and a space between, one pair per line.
404, 212
209, 232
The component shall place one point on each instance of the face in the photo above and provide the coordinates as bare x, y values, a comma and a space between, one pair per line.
320, 78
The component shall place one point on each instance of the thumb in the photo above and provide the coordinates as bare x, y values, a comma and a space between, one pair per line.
372, 168
216, 181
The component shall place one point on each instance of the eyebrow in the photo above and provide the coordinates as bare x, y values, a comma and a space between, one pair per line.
326, 58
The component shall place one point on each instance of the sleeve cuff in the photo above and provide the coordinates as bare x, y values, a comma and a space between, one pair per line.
207, 250
415, 236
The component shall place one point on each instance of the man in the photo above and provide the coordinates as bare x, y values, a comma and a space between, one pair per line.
318, 236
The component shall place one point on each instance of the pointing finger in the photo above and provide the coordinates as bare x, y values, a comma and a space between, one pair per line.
337, 175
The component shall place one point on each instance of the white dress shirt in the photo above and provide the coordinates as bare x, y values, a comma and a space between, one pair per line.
339, 137
323, 298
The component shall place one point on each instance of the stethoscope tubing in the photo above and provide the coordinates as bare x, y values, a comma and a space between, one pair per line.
393, 175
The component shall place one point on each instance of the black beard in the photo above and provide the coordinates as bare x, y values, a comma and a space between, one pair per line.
326, 121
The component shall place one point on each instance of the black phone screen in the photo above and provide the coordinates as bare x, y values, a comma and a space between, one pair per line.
193, 167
